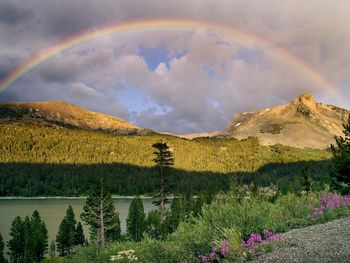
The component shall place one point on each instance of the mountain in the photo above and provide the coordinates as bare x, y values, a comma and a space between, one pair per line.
63, 114
55, 148
301, 123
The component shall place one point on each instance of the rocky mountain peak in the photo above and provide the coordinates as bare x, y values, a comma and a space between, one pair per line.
301, 123
305, 99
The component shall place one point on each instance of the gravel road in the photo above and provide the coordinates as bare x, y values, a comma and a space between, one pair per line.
329, 242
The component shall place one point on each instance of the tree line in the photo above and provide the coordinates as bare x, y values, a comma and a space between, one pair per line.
48, 161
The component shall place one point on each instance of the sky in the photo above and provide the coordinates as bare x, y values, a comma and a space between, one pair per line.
179, 80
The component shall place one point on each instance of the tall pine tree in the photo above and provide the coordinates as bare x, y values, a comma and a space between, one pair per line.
63, 238
17, 242
39, 237
28, 241
70, 234
99, 213
135, 221
163, 160
71, 222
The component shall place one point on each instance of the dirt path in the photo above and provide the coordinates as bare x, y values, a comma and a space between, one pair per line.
329, 242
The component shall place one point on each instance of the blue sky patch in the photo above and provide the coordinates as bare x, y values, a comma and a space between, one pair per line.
154, 56
249, 55
137, 100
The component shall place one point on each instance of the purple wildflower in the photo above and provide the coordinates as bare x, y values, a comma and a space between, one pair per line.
203, 259
329, 202
253, 239
226, 242
274, 237
224, 250
212, 255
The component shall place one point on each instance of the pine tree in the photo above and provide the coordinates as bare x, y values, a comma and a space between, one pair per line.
17, 242
28, 254
79, 238
66, 234
135, 221
99, 213
152, 224
340, 168
71, 222
176, 214
39, 236
52, 250
2, 245
164, 160
29, 239
63, 238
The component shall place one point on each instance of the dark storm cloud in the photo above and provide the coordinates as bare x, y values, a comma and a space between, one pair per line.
11, 14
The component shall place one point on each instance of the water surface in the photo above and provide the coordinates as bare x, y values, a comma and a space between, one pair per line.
52, 212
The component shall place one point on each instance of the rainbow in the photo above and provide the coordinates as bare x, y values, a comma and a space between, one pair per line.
167, 24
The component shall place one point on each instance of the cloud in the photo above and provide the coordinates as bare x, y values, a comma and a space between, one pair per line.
206, 77
81, 90
11, 14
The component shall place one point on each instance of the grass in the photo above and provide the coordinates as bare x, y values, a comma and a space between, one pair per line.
231, 219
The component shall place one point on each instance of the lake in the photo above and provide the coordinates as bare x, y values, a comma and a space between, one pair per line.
52, 212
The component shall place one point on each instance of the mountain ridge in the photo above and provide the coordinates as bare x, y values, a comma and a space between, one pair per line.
303, 123
60, 113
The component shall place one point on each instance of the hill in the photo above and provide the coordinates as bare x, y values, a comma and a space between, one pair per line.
49, 161
63, 114
301, 123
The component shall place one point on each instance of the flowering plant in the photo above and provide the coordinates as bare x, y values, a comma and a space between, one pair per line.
256, 244
217, 253
327, 203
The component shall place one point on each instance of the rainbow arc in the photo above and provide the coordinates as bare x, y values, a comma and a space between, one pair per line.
167, 24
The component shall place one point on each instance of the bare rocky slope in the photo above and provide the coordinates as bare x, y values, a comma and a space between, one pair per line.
58, 113
301, 123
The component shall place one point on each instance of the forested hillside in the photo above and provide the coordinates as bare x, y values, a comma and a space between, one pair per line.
39, 160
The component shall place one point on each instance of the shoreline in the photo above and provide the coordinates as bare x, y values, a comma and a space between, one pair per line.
65, 197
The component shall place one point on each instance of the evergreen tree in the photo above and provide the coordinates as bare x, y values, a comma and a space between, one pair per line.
176, 214
71, 222
66, 234
2, 245
63, 238
28, 241
99, 213
135, 221
79, 238
164, 160
38, 237
52, 250
340, 168
152, 224
28, 255
17, 242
